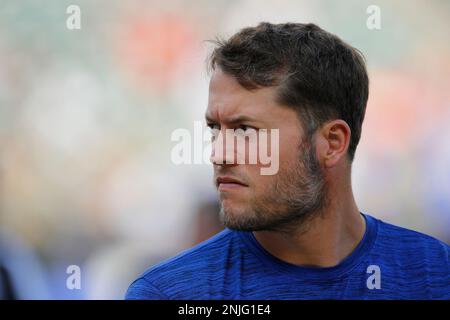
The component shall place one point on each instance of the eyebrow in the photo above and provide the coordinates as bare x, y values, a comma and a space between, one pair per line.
231, 120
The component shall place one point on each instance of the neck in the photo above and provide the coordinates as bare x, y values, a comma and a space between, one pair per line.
328, 238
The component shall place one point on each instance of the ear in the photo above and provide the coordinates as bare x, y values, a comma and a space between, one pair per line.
332, 142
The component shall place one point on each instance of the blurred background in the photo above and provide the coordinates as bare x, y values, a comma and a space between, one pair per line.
86, 117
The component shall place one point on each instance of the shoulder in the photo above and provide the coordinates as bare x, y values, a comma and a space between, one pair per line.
410, 242
177, 274
415, 261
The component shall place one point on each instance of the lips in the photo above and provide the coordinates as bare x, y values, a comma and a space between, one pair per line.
225, 182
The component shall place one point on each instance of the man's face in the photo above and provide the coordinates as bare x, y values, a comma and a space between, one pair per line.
262, 202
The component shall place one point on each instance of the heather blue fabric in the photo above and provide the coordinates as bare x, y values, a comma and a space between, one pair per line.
232, 265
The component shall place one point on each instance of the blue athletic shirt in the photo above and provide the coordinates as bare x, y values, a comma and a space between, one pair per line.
390, 262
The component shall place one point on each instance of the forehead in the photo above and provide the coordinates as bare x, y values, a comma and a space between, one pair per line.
227, 99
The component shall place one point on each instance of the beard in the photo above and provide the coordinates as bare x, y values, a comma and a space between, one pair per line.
297, 195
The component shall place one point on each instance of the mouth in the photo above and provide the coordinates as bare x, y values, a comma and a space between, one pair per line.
226, 183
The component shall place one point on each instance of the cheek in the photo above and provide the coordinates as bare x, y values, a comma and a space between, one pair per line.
285, 154
254, 175
288, 150
259, 184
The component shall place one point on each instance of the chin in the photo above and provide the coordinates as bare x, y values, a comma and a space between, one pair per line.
230, 210
237, 218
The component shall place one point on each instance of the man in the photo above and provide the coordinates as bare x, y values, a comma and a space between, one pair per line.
296, 234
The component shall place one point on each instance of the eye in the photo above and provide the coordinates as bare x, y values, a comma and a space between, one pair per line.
213, 126
214, 129
246, 128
